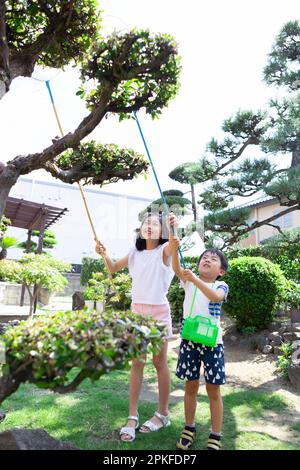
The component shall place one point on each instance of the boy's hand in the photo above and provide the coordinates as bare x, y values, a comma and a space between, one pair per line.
174, 243
188, 275
100, 249
172, 221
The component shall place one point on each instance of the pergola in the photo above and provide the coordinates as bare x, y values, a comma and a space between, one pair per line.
31, 216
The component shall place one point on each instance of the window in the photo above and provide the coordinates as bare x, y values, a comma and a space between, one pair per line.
286, 221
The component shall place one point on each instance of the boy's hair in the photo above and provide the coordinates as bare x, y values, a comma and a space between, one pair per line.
140, 242
220, 254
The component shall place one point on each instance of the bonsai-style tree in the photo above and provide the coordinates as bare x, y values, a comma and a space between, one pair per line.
38, 271
175, 201
188, 173
120, 74
49, 241
276, 132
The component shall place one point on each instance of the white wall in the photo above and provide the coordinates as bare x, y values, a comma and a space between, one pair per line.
115, 217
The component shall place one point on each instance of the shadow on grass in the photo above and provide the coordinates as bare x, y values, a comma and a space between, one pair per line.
91, 417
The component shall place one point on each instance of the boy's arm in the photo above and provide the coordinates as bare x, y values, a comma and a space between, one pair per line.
172, 224
214, 295
174, 244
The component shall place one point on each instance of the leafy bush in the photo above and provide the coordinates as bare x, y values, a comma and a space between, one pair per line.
176, 298
96, 288
9, 271
257, 288
284, 253
90, 266
284, 359
292, 295
123, 285
44, 350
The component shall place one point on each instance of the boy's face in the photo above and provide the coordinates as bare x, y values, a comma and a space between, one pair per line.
210, 265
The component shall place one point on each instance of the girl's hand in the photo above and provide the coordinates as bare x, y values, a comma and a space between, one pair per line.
100, 249
188, 275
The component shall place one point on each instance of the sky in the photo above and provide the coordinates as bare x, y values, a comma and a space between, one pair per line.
223, 45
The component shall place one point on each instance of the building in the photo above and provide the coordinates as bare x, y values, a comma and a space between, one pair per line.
262, 209
114, 215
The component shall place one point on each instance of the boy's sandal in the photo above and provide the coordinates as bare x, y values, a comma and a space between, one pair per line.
128, 430
187, 436
152, 427
213, 444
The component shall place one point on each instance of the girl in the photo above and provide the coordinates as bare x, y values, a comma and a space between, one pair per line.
149, 264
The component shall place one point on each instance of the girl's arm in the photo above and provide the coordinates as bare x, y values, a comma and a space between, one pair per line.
214, 295
113, 266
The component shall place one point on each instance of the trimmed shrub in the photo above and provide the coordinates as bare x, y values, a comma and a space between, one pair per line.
9, 271
287, 256
45, 349
257, 289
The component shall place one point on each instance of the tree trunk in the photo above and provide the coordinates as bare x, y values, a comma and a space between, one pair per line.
194, 206
8, 177
5, 79
296, 156
3, 254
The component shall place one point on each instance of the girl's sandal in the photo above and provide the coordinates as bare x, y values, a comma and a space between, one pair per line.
186, 435
152, 427
128, 430
213, 444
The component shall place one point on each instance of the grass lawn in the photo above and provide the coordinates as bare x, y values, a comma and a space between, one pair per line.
91, 416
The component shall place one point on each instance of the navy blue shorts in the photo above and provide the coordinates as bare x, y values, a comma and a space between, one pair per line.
192, 355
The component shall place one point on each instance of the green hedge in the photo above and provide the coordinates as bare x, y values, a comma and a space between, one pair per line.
45, 349
256, 290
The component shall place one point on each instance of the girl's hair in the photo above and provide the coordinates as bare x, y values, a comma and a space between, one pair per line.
221, 256
140, 242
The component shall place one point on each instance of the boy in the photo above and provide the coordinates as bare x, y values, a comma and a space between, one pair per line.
210, 294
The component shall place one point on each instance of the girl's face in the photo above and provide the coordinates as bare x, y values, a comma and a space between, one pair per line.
151, 228
210, 265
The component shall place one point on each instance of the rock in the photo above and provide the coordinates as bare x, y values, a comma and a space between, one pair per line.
294, 369
274, 326
283, 329
233, 338
261, 341
276, 342
273, 335
31, 439
267, 349
296, 345
2, 415
77, 301
289, 337
295, 327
